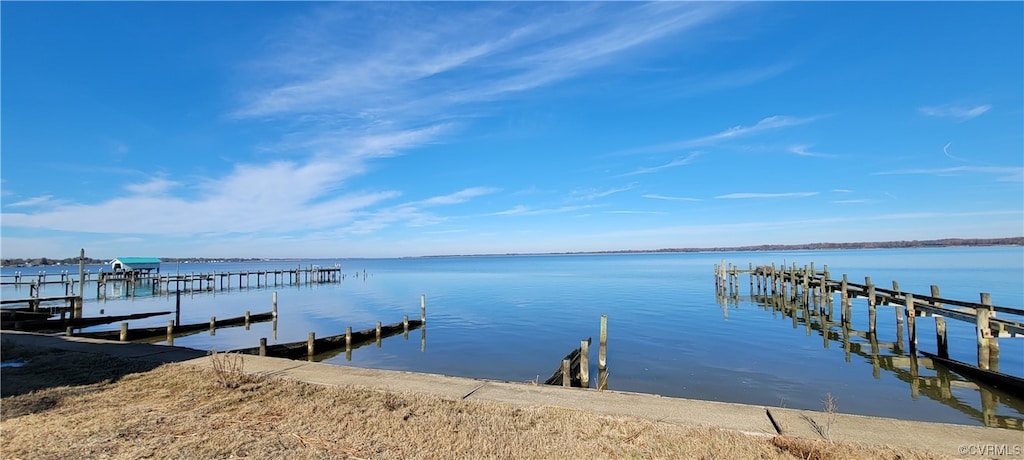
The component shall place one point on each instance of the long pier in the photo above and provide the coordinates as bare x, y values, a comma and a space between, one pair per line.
792, 289
157, 283
889, 357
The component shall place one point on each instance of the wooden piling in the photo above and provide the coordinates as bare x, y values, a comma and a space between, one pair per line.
423, 309
274, 300
378, 334
911, 327
247, 320
263, 346
213, 325
124, 332
170, 332
81, 283
984, 332
309, 345
991, 340
602, 350
68, 332
348, 337
871, 304
585, 363
566, 380
941, 342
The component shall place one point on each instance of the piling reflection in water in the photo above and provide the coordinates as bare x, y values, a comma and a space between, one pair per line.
817, 317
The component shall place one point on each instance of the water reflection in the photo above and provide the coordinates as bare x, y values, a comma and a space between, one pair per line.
981, 402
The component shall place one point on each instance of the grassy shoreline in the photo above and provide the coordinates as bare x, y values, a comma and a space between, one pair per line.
63, 404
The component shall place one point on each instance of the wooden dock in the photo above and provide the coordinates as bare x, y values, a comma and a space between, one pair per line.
314, 349
61, 325
172, 330
574, 369
807, 296
158, 283
891, 357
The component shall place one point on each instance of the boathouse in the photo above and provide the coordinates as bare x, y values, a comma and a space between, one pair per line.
135, 264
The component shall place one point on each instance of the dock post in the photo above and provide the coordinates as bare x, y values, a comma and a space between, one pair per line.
177, 305
348, 337
585, 363
871, 304
247, 320
805, 286
405, 322
81, 283
378, 334
940, 328
825, 281
566, 380
895, 286
602, 355
309, 345
988, 347
423, 309
263, 346
274, 300
124, 332
911, 326
68, 332
213, 325
899, 322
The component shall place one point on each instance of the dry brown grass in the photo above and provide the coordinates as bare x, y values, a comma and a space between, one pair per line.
179, 411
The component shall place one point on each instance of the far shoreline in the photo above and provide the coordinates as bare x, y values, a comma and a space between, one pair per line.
826, 246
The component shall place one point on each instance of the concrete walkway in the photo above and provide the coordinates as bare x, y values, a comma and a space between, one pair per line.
943, 439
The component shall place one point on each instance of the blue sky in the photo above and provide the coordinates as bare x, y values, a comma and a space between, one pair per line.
399, 129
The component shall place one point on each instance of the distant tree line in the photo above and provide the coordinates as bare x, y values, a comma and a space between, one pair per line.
945, 242
42, 261
45, 261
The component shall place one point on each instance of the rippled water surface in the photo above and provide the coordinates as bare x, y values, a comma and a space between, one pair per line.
513, 318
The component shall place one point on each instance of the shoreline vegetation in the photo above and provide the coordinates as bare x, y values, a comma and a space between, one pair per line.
900, 244
63, 403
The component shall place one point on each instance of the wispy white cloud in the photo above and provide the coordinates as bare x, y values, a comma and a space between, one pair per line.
588, 194
669, 198
804, 151
672, 164
1006, 173
958, 113
155, 186
489, 51
732, 196
659, 213
414, 213
763, 226
856, 201
841, 190
34, 201
522, 210
459, 197
945, 151
731, 79
771, 123
279, 197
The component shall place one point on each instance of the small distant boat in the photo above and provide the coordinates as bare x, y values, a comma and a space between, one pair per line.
1008, 383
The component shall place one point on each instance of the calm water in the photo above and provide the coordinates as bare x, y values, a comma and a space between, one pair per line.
513, 318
